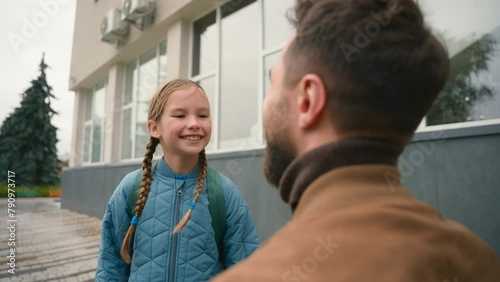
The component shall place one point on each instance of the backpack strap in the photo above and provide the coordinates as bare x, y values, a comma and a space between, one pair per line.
134, 193
217, 207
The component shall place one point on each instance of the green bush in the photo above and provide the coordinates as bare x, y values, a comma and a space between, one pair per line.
24, 192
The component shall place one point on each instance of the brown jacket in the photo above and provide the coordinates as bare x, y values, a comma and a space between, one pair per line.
354, 223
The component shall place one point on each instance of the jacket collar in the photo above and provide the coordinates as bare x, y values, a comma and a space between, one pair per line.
348, 152
164, 170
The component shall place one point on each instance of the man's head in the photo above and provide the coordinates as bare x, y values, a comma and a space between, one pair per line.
359, 68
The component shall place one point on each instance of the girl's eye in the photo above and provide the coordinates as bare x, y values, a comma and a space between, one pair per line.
179, 116
203, 116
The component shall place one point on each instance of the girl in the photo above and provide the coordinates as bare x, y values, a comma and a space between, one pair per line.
155, 245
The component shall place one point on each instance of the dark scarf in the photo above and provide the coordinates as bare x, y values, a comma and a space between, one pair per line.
308, 167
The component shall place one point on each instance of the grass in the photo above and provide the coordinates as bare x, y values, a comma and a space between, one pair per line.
37, 191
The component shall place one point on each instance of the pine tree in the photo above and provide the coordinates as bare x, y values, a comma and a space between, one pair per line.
28, 138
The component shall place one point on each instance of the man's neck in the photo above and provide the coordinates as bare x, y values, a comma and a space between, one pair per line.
346, 152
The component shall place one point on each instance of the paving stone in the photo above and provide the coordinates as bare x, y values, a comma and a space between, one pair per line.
51, 244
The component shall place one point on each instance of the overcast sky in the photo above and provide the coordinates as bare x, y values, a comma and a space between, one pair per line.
27, 29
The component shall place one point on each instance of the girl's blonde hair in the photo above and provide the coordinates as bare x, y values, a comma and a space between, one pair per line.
155, 112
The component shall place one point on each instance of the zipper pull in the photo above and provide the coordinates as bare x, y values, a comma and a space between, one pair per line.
179, 191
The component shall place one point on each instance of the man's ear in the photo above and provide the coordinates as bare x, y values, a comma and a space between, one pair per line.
154, 131
312, 100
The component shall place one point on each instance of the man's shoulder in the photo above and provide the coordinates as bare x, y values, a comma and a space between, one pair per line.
363, 223
394, 242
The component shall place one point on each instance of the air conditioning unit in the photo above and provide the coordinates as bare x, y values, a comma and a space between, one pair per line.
113, 29
135, 9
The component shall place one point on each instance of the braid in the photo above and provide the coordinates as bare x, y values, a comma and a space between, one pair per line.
143, 195
199, 187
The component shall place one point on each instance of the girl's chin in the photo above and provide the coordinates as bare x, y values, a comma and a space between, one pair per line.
194, 150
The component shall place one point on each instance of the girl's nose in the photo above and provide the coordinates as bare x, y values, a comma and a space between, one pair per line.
193, 123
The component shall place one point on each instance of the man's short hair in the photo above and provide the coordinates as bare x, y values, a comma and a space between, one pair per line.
382, 68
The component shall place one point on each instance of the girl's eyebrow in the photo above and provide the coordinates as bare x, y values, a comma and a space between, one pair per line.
179, 109
203, 109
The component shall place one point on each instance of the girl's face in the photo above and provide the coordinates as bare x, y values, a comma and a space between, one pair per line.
185, 126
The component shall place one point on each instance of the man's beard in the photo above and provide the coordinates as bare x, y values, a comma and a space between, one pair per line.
277, 157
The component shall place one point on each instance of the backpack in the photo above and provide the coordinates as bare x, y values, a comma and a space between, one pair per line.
216, 204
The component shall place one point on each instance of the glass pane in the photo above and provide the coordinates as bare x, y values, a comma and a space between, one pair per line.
473, 89
97, 140
88, 105
269, 62
148, 75
130, 83
277, 28
86, 143
163, 64
141, 139
204, 44
141, 131
208, 85
142, 112
239, 70
126, 134
100, 103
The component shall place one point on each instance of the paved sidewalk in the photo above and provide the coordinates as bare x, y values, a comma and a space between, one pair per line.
51, 244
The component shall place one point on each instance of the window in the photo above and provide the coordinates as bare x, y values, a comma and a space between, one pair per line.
232, 47
143, 76
472, 93
94, 121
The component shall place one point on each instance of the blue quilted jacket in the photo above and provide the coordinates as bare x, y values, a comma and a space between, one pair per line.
160, 255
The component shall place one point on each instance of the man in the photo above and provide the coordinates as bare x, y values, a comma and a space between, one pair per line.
351, 87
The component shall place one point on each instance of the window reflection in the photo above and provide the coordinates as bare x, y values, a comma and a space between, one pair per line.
148, 75
239, 83
472, 92
126, 134
208, 85
86, 143
143, 77
94, 123
204, 45
130, 78
230, 64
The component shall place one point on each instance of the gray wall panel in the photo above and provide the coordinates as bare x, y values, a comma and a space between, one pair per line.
461, 177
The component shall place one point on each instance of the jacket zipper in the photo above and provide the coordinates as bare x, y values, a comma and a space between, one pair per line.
177, 207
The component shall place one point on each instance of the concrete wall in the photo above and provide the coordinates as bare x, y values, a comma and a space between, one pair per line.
457, 175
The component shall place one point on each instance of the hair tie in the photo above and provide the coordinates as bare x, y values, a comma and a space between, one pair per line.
134, 220
193, 204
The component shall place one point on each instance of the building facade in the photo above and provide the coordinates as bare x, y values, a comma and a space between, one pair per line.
123, 50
